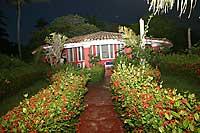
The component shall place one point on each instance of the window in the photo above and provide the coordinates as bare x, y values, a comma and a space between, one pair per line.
111, 50
69, 55
105, 51
80, 53
98, 50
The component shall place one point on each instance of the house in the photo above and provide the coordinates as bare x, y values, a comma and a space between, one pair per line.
103, 44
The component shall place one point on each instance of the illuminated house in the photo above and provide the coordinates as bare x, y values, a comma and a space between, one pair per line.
103, 44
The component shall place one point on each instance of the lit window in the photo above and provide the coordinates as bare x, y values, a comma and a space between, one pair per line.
105, 51
69, 55
98, 50
80, 53
111, 50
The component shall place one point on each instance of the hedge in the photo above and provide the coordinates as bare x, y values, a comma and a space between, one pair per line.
53, 109
147, 107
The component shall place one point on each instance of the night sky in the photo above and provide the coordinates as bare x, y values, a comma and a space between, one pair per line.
117, 11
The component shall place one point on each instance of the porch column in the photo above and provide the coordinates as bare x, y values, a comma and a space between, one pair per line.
86, 56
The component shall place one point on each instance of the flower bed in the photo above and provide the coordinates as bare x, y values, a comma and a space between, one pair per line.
52, 109
147, 107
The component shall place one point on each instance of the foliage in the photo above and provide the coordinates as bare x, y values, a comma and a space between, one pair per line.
181, 72
94, 59
158, 6
53, 109
195, 49
165, 27
56, 42
147, 107
180, 59
14, 71
96, 73
72, 25
139, 55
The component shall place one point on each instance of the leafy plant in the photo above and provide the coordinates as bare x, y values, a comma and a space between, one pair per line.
52, 109
147, 107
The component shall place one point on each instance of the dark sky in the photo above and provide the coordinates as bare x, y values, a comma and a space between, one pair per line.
117, 11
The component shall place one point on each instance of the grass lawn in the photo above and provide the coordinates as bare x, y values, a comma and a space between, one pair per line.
183, 81
11, 101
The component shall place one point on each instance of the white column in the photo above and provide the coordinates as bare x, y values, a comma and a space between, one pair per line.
100, 51
92, 50
109, 54
117, 48
73, 54
142, 35
113, 50
81, 53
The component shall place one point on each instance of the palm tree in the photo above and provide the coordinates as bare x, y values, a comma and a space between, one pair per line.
158, 6
19, 4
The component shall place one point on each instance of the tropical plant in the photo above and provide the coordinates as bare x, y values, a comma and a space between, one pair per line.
158, 6
56, 42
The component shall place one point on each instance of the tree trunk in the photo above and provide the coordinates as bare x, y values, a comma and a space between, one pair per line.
18, 28
189, 39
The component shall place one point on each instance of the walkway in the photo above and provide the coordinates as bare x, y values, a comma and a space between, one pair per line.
99, 116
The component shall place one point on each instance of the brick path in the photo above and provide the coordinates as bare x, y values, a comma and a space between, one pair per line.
99, 116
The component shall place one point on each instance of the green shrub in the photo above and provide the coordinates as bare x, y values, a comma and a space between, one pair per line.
147, 107
53, 109
181, 59
96, 73
16, 75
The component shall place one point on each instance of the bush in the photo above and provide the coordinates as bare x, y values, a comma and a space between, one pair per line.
96, 73
147, 107
52, 109
16, 75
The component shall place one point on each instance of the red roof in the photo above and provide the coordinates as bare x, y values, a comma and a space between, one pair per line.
95, 36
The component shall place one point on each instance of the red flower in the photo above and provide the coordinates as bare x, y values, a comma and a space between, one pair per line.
145, 105
159, 105
158, 88
2, 129
116, 83
64, 109
198, 108
46, 112
64, 99
161, 113
184, 101
172, 102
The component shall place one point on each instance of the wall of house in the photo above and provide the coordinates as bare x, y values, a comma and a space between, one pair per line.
80, 56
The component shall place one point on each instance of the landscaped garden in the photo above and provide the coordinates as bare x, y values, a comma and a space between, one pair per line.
152, 92
145, 103
51, 109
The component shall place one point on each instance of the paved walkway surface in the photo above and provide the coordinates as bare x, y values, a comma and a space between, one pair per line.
99, 116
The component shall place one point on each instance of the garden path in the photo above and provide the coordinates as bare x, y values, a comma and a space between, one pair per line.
99, 115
